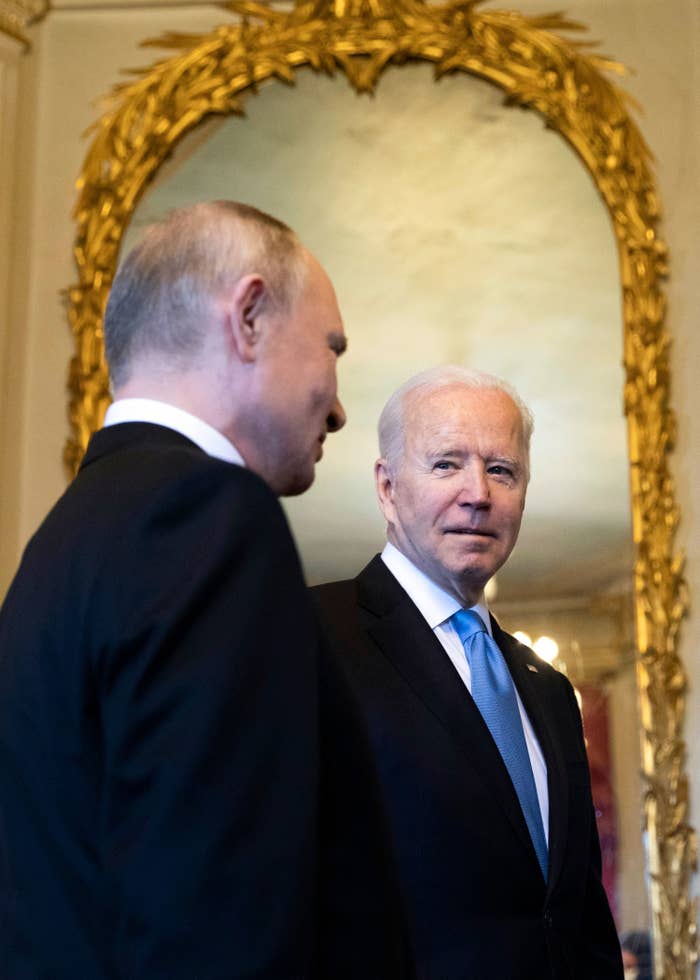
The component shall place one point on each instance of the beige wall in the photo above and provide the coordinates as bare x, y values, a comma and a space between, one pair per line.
664, 44
45, 100
674, 131
76, 57
10, 343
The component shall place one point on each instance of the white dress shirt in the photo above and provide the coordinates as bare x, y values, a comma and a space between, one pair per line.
436, 607
161, 413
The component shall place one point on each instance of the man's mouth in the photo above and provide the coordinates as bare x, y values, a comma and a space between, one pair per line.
473, 531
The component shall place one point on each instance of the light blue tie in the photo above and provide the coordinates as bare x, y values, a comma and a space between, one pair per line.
494, 695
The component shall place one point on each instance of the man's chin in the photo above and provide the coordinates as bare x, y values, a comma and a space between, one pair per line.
297, 483
473, 575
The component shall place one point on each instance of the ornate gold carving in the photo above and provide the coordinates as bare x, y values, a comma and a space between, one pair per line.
538, 69
17, 15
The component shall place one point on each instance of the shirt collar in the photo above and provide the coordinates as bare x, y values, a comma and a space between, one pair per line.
435, 605
201, 433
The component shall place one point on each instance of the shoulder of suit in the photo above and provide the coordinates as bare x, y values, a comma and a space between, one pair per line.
169, 459
150, 446
215, 484
332, 594
338, 608
172, 487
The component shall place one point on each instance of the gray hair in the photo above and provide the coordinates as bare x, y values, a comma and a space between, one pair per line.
392, 420
163, 291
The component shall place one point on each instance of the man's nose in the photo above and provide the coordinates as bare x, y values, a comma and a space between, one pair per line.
336, 417
475, 486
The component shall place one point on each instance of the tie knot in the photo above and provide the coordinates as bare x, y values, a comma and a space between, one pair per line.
466, 622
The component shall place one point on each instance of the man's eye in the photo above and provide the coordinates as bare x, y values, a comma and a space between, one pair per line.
443, 464
499, 470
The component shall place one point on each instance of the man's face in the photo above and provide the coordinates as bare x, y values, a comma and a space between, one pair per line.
300, 405
455, 502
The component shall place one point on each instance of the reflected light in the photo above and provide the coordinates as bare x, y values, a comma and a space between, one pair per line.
523, 637
546, 648
491, 589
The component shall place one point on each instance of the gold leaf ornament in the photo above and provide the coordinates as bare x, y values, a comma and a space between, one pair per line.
536, 67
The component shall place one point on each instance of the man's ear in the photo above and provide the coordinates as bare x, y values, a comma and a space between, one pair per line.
245, 306
384, 483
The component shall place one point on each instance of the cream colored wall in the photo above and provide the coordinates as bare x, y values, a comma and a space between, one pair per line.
663, 41
77, 55
11, 63
681, 163
18, 96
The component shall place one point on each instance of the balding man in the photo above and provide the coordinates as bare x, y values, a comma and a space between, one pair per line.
159, 753
477, 743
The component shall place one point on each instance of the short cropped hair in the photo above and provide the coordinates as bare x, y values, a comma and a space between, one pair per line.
392, 423
163, 291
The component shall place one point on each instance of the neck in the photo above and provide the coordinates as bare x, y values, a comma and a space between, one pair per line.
466, 593
187, 391
467, 597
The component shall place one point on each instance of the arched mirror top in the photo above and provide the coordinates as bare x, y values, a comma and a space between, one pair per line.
493, 250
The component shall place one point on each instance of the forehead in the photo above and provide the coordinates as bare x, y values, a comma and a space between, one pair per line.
465, 418
317, 300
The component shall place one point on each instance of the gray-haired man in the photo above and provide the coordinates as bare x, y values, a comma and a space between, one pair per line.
159, 749
477, 743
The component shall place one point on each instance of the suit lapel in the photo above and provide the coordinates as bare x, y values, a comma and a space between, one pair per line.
407, 641
531, 687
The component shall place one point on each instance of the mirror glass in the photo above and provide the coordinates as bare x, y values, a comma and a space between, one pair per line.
458, 230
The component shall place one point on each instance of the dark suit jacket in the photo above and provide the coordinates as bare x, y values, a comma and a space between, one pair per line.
158, 727
362, 930
165, 808
477, 905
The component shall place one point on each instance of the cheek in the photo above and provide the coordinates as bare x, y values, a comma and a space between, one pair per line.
508, 509
420, 506
427, 513
317, 402
513, 524
400, 509
323, 386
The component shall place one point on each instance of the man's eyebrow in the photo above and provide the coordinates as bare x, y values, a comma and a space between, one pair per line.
437, 453
337, 342
500, 458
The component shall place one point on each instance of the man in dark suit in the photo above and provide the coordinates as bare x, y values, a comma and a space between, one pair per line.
477, 743
159, 751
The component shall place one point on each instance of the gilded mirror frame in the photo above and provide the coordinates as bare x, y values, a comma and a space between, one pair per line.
538, 69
